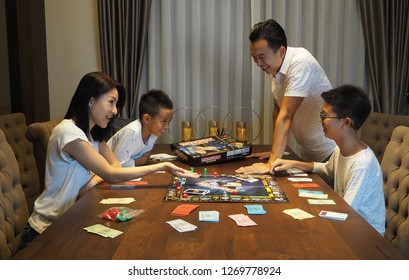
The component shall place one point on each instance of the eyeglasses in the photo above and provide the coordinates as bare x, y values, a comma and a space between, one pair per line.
323, 117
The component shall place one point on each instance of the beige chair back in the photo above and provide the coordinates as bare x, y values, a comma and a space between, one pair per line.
377, 131
13, 206
39, 133
14, 127
395, 169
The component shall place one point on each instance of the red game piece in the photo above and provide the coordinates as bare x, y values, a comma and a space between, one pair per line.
184, 195
215, 174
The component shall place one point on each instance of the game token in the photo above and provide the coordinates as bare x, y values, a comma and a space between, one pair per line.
215, 174
205, 172
185, 195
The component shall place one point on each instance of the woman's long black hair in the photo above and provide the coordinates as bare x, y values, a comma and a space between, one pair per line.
93, 84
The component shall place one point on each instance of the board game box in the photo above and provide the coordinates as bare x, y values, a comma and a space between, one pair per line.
212, 149
226, 188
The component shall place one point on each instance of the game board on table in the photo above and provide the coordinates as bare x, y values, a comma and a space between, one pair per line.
226, 188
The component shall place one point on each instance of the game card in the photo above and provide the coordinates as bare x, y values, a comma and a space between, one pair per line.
299, 179
103, 231
333, 215
163, 157
306, 185
124, 200
208, 216
313, 195
298, 214
181, 225
308, 191
184, 209
242, 220
255, 209
321, 201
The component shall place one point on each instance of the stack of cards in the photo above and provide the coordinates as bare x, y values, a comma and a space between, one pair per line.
208, 216
184, 209
298, 214
181, 225
255, 209
333, 215
321, 201
242, 220
124, 200
311, 194
306, 185
103, 231
296, 172
163, 157
299, 179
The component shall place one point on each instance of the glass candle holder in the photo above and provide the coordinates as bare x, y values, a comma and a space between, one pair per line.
187, 132
241, 131
213, 128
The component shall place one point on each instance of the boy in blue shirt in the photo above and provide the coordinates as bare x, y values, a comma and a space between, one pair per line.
132, 144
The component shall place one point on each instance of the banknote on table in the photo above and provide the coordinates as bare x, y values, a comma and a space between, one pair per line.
103, 231
181, 225
321, 201
313, 195
209, 216
117, 200
298, 214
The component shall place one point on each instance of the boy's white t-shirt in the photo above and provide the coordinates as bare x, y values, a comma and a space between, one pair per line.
358, 180
127, 143
64, 176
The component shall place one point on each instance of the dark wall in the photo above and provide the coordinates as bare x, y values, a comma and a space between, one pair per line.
27, 53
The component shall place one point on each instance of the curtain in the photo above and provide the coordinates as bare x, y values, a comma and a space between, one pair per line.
385, 24
198, 52
123, 27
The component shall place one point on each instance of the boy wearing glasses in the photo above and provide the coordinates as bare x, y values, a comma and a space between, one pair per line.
354, 167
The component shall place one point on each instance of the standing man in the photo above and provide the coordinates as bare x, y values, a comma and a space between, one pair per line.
297, 81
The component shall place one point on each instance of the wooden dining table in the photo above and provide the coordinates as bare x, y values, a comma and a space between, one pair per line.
277, 236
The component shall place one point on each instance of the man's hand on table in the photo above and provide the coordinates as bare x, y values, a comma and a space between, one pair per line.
255, 169
261, 155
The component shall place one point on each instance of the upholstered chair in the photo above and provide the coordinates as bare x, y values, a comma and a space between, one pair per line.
13, 206
395, 169
39, 133
14, 127
377, 131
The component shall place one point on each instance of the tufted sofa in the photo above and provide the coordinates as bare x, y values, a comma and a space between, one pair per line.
377, 130
14, 127
395, 169
13, 206
39, 133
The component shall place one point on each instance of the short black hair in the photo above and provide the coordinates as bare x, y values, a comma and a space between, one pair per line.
270, 31
93, 84
152, 101
349, 101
